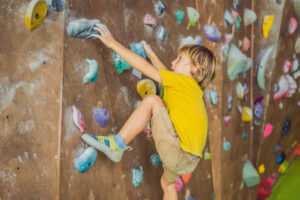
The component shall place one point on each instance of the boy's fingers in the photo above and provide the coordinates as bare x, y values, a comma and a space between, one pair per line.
96, 36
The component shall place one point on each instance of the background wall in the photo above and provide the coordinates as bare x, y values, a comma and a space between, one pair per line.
41, 78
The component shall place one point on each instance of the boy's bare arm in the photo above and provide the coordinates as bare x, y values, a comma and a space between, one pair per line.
129, 56
153, 57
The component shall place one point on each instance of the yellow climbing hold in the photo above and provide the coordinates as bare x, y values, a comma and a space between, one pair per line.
35, 13
146, 87
283, 167
247, 114
268, 21
261, 169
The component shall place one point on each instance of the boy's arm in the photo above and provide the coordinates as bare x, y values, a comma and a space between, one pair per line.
153, 57
129, 56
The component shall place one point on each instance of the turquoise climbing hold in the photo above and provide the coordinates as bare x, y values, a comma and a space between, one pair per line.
244, 135
155, 159
250, 175
226, 146
179, 15
138, 48
85, 161
120, 64
92, 75
238, 22
137, 177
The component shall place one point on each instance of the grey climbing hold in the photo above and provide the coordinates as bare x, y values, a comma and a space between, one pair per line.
56, 5
83, 28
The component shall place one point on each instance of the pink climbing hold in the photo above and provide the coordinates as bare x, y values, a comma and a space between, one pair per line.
271, 181
150, 20
292, 26
227, 119
234, 14
268, 130
246, 44
78, 119
178, 184
287, 87
287, 66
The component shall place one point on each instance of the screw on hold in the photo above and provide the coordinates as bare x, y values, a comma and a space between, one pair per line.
37, 15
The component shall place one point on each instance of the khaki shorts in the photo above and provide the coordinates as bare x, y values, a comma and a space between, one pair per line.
176, 162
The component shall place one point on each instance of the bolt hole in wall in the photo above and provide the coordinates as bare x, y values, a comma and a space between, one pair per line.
7, 117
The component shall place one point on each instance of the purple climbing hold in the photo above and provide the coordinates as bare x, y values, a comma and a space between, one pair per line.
277, 148
101, 116
286, 127
258, 110
190, 198
212, 33
258, 100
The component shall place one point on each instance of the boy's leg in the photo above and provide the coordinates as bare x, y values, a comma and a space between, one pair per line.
139, 119
169, 189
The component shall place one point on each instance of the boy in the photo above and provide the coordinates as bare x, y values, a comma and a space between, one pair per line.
179, 122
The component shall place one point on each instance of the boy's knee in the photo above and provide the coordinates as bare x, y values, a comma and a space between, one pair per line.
153, 99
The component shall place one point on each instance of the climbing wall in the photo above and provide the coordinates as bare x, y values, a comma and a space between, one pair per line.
41, 78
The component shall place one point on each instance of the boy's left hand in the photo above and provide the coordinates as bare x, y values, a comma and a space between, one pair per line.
105, 36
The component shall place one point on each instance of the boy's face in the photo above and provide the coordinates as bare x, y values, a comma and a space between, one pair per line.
182, 64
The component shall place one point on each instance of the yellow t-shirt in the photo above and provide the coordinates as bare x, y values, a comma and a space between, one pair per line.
184, 102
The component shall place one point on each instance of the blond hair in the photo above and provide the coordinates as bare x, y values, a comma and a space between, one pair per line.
203, 61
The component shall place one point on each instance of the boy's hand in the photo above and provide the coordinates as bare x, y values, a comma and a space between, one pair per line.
105, 36
148, 49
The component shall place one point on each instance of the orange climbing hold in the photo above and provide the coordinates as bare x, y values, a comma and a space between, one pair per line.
186, 177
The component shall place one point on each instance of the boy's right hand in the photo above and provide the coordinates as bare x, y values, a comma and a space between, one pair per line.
104, 35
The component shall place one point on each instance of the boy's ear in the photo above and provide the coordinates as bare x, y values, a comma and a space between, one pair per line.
195, 68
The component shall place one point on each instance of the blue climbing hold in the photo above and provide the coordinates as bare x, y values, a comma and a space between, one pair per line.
155, 159
286, 127
226, 146
137, 177
281, 158
138, 48
120, 64
85, 161
277, 148
179, 15
213, 96
212, 33
258, 110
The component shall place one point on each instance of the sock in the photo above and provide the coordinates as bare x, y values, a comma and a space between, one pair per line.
120, 142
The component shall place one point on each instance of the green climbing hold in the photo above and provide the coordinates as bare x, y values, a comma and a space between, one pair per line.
207, 156
193, 16
240, 43
244, 135
238, 22
120, 64
213, 195
250, 175
179, 15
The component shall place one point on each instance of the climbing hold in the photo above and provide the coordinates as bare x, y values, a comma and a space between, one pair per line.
244, 135
246, 44
293, 145
296, 4
137, 177
85, 161
178, 184
150, 20
238, 22
179, 15
297, 74
207, 156
35, 13
148, 131
281, 158
250, 175
271, 181
228, 17
283, 167
120, 64
240, 109
186, 177
286, 127
227, 119
258, 110
262, 66
235, 14
137, 73
56, 5
155, 160
267, 24
78, 119
277, 148
247, 114
292, 26
138, 48
226, 146
249, 16
191, 40
161, 33
235, 4
258, 100
257, 122
240, 90
213, 196
212, 33
295, 63
160, 91
261, 169
190, 198
92, 75
229, 100
297, 150
213, 96
83, 28
240, 43
237, 62
146, 87
160, 8
268, 130
278, 2
193, 16
101, 116
287, 87
287, 66
264, 189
